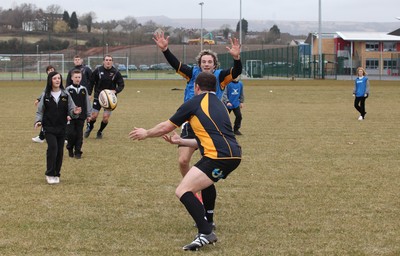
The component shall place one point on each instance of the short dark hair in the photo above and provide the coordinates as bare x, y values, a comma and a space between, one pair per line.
206, 81
50, 67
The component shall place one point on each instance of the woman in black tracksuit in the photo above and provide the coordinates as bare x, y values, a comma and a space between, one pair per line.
54, 108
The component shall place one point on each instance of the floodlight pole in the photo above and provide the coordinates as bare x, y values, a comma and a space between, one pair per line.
201, 25
319, 39
240, 26
37, 56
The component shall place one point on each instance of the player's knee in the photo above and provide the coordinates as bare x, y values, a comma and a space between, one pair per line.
184, 160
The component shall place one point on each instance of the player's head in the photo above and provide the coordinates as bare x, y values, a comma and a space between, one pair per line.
54, 81
206, 81
77, 60
207, 60
361, 71
49, 69
107, 61
76, 76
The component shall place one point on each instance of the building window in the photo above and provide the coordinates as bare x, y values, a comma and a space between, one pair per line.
372, 46
389, 64
371, 64
389, 46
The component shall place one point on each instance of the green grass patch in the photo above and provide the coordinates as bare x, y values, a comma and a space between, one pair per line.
313, 181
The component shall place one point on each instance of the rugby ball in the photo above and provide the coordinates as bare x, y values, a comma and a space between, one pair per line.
108, 99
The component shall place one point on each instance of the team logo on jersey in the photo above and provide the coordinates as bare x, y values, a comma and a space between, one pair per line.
235, 92
217, 174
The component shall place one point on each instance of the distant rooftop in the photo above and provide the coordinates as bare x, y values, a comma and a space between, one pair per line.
367, 36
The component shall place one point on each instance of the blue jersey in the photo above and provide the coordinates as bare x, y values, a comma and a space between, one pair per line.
234, 92
189, 90
361, 86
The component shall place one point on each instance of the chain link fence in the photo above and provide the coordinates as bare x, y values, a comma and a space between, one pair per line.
147, 62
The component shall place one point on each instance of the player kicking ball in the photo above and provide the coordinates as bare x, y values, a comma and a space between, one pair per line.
221, 153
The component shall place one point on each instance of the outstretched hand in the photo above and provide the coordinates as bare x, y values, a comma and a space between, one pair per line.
138, 134
235, 48
161, 41
173, 139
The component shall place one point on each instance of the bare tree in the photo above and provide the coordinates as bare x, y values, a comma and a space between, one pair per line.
87, 20
52, 11
21, 13
129, 23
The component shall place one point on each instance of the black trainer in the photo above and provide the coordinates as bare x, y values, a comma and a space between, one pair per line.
237, 132
99, 135
200, 240
71, 152
78, 154
87, 132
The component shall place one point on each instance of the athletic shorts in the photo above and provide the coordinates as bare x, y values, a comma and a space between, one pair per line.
187, 131
97, 107
217, 169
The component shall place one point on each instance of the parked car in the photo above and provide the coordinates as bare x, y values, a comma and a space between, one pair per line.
132, 67
165, 66
143, 67
121, 67
161, 66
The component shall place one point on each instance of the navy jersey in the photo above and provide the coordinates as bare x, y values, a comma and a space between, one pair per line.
103, 78
211, 125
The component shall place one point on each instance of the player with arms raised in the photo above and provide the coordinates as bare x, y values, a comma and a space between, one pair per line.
207, 61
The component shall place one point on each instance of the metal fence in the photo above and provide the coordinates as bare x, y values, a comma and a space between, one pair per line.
290, 62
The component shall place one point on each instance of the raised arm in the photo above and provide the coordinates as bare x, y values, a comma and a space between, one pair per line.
161, 41
234, 50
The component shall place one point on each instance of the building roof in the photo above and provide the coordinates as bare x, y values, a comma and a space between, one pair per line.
395, 33
367, 36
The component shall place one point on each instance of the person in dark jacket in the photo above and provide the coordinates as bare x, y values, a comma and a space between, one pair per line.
40, 137
103, 77
85, 70
75, 126
54, 109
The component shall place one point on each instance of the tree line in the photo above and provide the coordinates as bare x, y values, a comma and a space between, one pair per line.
60, 24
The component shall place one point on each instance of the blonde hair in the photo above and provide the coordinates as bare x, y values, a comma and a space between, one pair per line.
363, 70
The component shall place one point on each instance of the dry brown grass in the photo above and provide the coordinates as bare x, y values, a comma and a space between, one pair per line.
313, 181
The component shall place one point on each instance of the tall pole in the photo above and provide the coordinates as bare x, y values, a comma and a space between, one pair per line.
37, 58
240, 25
319, 39
201, 25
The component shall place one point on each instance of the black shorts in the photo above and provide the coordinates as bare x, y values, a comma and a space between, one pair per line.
96, 106
217, 169
187, 131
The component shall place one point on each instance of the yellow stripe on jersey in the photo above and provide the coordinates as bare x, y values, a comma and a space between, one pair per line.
204, 138
226, 81
181, 73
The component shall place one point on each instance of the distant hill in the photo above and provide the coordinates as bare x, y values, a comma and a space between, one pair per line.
291, 27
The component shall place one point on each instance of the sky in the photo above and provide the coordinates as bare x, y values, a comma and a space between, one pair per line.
289, 10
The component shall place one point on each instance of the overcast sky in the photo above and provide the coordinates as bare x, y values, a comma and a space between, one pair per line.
291, 10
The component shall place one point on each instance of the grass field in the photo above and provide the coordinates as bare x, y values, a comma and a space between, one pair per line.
313, 181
